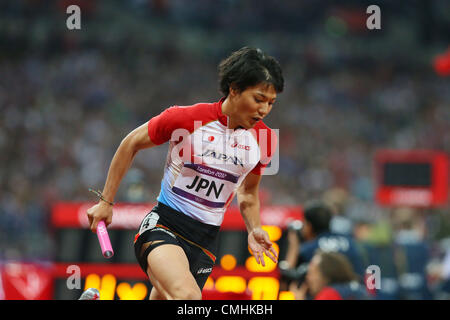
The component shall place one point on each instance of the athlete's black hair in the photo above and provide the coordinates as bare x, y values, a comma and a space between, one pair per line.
318, 215
248, 67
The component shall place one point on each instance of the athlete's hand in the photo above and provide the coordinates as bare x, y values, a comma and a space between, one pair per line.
259, 244
100, 211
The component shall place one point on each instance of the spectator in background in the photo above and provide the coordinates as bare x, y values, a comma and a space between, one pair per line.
443, 288
337, 199
376, 240
315, 234
412, 255
330, 276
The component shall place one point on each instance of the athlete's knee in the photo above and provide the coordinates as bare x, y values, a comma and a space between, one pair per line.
156, 294
186, 293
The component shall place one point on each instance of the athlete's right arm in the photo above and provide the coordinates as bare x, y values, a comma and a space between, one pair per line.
136, 140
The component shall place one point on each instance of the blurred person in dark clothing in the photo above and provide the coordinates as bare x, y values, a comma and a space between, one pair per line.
337, 199
376, 240
315, 234
330, 276
442, 289
412, 255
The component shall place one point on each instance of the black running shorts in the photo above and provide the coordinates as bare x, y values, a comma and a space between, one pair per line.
164, 225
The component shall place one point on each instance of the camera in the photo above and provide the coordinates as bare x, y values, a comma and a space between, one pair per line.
297, 274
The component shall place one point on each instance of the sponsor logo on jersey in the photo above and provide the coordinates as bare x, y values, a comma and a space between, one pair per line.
240, 146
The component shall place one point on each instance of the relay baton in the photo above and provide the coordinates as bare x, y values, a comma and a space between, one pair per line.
103, 239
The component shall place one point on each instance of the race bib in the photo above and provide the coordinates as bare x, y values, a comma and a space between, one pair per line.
208, 186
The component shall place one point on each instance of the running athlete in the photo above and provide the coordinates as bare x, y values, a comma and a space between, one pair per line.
216, 151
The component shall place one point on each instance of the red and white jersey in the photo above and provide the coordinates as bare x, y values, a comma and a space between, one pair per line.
207, 161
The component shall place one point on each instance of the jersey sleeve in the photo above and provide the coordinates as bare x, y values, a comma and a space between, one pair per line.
162, 126
186, 119
328, 293
267, 141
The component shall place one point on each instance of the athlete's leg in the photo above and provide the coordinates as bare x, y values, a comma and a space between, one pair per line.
168, 270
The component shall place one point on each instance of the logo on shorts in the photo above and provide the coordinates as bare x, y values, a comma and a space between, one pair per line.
164, 230
204, 270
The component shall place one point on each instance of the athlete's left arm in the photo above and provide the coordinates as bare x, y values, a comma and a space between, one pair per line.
248, 200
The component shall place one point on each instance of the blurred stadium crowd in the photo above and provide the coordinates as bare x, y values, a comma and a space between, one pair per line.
67, 98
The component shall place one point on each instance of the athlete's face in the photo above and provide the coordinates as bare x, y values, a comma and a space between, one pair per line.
251, 105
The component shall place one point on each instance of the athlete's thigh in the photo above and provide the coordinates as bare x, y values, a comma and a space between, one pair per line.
168, 270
